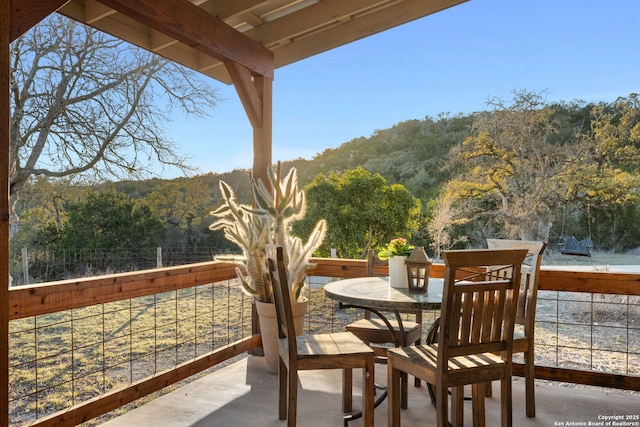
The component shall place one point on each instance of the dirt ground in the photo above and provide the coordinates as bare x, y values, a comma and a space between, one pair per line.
599, 261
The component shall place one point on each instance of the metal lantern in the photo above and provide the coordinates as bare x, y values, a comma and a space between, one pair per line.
418, 265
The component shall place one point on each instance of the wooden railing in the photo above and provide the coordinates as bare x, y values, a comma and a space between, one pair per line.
58, 297
37, 300
599, 284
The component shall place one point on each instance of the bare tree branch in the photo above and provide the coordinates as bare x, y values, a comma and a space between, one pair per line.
85, 102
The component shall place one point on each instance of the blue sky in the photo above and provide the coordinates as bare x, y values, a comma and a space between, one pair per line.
449, 62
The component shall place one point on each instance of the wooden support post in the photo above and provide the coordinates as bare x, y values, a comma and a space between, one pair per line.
5, 28
262, 149
256, 95
263, 135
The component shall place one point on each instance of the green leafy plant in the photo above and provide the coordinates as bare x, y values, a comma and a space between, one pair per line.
268, 221
396, 247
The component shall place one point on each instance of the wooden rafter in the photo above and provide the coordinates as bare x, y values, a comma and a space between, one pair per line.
249, 94
374, 20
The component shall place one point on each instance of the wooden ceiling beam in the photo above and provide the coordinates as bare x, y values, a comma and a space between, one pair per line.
206, 33
126, 29
27, 13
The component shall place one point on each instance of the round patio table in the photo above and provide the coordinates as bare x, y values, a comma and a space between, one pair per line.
376, 295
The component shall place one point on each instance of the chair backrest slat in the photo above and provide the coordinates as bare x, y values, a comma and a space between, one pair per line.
282, 299
478, 311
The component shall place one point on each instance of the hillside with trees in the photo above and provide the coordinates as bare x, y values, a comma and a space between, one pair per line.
524, 168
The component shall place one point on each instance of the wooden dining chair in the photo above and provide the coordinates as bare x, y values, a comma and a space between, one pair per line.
374, 331
341, 350
475, 339
523, 340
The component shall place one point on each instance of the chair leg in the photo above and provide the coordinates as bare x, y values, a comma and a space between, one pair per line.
457, 406
282, 390
347, 390
404, 390
416, 380
529, 376
442, 406
393, 394
368, 391
488, 389
293, 397
506, 402
477, 404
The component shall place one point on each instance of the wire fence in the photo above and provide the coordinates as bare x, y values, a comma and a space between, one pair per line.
65, 358
588, 331
40, 266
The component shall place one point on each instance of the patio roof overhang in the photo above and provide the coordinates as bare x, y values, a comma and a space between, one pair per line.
234, 41
204, 34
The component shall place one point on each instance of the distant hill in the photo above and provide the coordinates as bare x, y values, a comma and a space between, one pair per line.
411, 153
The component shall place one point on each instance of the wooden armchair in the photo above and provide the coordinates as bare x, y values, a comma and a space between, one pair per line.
320, 351
475, 339
523, 340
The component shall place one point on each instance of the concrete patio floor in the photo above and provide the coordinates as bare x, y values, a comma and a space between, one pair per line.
245, 394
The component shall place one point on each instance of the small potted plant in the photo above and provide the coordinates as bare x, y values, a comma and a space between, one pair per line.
397, 251
268, 221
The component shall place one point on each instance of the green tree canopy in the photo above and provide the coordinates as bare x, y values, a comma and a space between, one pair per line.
108, 220
362, 211
183, 205
522, 165
509, 168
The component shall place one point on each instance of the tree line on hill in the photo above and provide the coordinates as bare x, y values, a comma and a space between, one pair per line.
522, 169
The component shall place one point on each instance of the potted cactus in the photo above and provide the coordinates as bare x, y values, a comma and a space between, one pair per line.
268, 221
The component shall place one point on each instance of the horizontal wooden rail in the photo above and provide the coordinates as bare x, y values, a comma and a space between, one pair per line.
551, 279
33, 300
581, 376
598, 282
346, 268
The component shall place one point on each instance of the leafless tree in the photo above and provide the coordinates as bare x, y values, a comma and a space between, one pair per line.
87, 104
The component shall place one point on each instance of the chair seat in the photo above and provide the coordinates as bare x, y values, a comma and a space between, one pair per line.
375, 331
338, 344
424, 359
